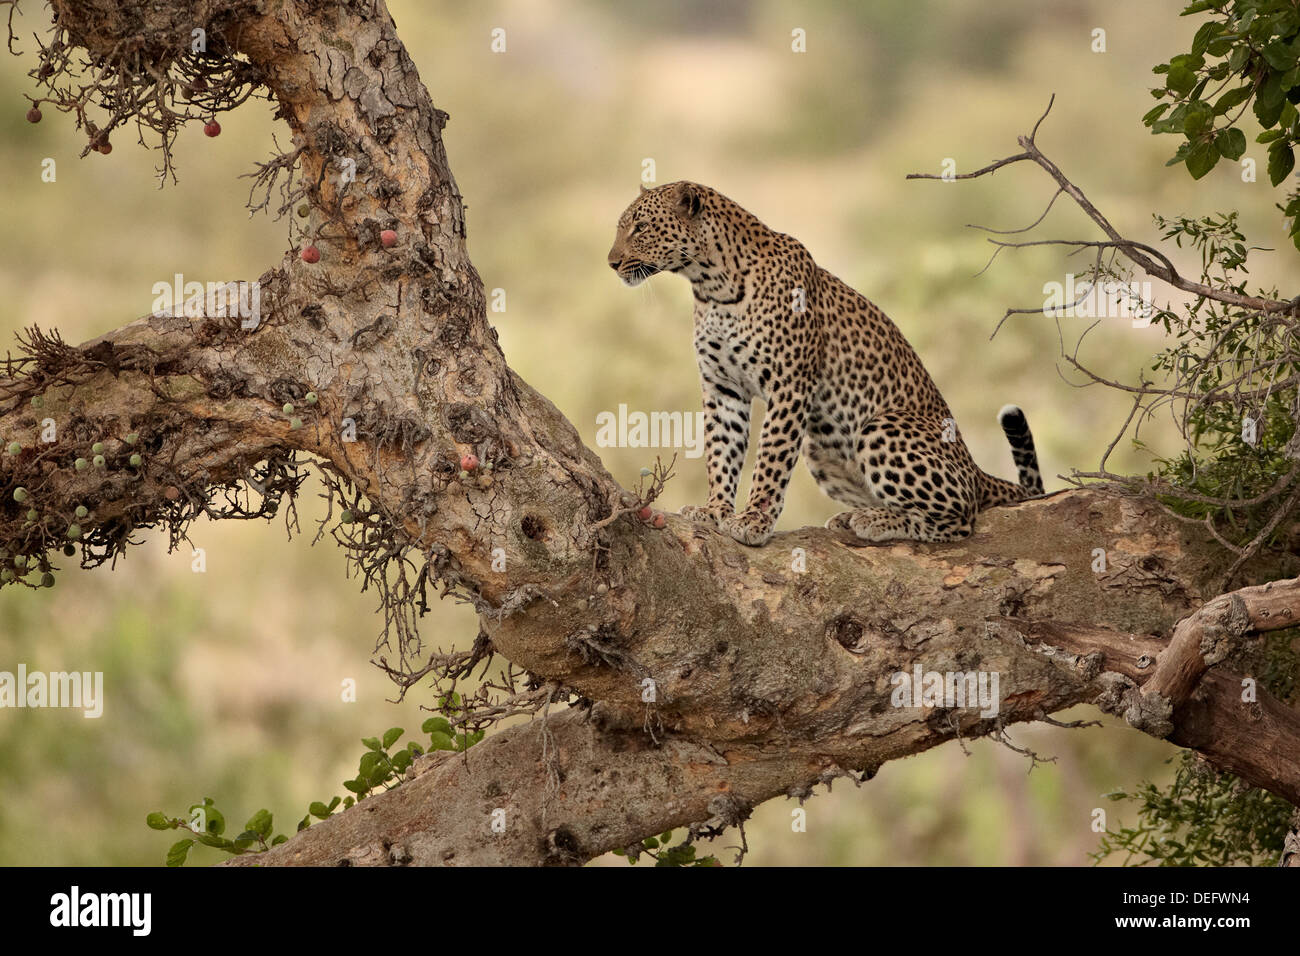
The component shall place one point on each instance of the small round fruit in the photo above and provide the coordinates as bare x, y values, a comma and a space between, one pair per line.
659, 521
288, 408
645, 513
137, 460
469, 462
37, 401
82, 511
6, 575
132, 438
389, 238
645, 472
32, 514
20, 561
172, 493
212, 129
14, 448
199, 85
304, 210
99, 461
97, 448
295, 423
47, 580
81, 464
69, 549
311, 398
33, 115
464, 474
346, 517
74, 532
20, 495
105, 147
311, 254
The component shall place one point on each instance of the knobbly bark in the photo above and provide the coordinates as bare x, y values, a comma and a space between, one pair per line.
764, 680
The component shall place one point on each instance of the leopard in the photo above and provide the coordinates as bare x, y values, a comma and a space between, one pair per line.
840, 383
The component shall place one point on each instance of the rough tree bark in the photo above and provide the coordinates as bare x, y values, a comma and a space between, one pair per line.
767, 681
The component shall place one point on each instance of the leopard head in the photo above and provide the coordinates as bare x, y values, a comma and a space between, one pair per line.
659, 232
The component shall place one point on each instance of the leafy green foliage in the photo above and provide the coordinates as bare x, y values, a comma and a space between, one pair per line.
657, 848
1202, 819
1231, 371
1224, 364
379, 766
1246, 55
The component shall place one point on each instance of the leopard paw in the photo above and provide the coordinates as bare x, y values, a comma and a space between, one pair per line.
749, 527
876, 525
710, 515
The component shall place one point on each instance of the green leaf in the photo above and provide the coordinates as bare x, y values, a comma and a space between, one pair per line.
1269, 101
391, 735
440, 741
1232, 98
215, 820
279, 839
1238, 58
1279, 56
319, 810
356, 786
1180, 79
369, 761
211, 839
1218, 47
1201, 159
178, 852
1281, 160
438, 725
1204, 35
372, 743
1154, 114
260, 823
158, 821
1198, 119
1231, 143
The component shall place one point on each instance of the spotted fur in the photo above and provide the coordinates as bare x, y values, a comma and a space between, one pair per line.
840, 382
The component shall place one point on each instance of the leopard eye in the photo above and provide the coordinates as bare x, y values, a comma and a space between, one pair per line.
637, 227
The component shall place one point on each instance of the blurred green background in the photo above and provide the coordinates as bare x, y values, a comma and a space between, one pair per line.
227, 683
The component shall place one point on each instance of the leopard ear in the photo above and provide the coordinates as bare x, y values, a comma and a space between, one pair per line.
687, 200
643, 188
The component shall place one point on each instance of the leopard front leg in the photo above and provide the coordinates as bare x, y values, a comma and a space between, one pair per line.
726, 439
778, 450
